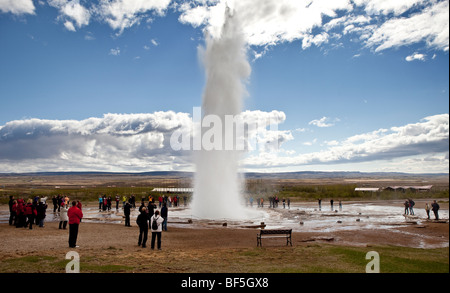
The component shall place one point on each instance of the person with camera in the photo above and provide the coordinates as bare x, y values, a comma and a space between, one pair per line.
156, 225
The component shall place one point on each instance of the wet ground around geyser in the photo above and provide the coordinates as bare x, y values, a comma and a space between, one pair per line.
299, 216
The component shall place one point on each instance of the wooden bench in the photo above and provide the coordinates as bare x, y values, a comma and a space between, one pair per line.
284, 233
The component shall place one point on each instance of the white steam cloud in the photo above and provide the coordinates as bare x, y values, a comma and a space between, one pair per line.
217, 188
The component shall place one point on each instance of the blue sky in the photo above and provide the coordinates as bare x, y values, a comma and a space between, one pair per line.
361, 85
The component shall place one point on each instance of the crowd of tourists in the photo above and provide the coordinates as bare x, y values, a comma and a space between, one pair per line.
26, 213
409, 208
34, 212
151, 218
273, 202
105, 202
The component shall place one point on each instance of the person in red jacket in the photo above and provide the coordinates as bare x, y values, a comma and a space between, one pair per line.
21, 219
30, 213
75, 215
13, 212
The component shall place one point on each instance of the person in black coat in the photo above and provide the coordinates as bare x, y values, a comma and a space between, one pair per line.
126, 212
142, 206
435, 209
142, 222
41, 208
12, 212
164, 215
55, 203
151, 209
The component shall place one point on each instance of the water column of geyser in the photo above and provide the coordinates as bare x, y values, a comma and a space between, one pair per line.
217, 187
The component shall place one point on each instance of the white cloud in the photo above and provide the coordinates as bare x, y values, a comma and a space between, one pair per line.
266, 137
415, 56
114, 52
17, 6
316, 40
119, 14
323, 122
332, 142
120, 141
195, 16
388, 6
310, 143
69, 26
429, 25
72, 13
123, 14
89, 36
267, 23
425, 141
347, 21
114, 142
377, 24
382, 24
141, 142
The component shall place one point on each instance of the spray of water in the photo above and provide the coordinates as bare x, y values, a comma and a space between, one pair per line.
217, 186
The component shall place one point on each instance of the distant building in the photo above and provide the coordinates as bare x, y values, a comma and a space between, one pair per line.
367, 189
396, 188
174, 190
412, 188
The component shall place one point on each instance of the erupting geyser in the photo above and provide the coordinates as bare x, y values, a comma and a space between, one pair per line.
217, 187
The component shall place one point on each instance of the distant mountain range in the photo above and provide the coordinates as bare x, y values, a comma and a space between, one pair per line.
280, 175
340, 174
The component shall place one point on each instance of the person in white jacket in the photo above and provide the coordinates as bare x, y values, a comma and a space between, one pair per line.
63, 218
156, 225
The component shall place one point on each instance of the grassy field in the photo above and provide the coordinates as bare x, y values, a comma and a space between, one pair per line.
295, 190
316, 258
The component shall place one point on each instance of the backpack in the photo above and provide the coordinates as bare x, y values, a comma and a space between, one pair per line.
154, 224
